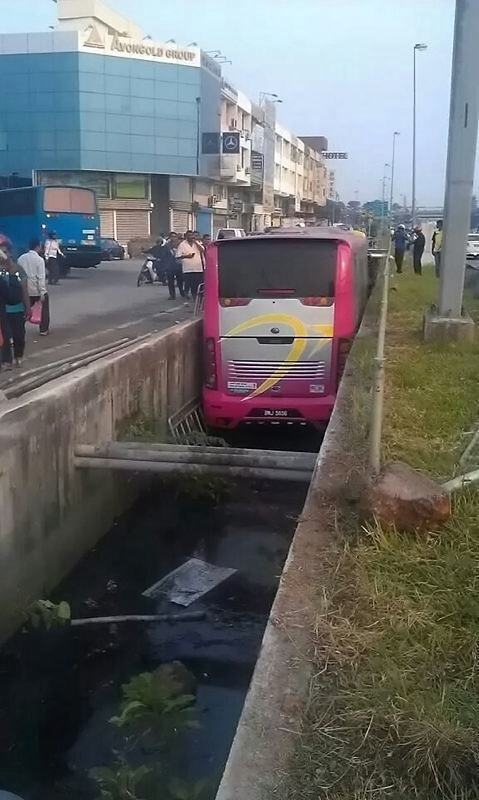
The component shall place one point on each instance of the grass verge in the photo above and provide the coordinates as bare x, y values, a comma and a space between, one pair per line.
394, 704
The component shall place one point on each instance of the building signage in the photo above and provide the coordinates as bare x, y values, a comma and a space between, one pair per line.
231, 143
210, 143
329, 154
145, 49
257, 161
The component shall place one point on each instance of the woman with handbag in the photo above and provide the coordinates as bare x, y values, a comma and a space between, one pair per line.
34, 266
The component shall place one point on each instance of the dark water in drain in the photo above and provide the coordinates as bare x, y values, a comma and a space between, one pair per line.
59, 690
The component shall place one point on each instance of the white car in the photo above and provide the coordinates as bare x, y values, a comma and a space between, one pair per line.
472, 245
230, 233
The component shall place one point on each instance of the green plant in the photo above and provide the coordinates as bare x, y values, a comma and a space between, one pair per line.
153, 702
140, 428
121, 781
204, 489
45, 614
154, 706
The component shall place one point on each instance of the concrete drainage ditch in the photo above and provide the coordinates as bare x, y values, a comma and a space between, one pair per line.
61, 688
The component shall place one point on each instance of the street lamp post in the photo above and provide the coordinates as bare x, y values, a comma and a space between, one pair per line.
418, 46
385, 177
391, 195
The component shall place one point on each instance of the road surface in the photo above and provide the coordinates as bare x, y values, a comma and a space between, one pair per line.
92, 307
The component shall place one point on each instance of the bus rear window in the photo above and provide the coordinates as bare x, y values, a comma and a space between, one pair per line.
277, 268
66, 200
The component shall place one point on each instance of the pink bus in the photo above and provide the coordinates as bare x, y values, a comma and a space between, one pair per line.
280, 313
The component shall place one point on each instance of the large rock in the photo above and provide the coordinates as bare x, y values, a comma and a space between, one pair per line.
405, 498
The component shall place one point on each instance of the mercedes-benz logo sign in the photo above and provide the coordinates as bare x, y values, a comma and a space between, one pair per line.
274, 330
231, 143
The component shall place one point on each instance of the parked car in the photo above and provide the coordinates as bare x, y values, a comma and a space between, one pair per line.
472, 245
111, 250
230, 233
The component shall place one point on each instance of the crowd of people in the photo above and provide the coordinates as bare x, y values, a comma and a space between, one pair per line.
403, 241
181, 260
23, 284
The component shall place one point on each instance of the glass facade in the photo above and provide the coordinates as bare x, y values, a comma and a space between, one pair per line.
89, 111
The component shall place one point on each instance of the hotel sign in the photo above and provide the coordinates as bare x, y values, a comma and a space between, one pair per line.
145, 49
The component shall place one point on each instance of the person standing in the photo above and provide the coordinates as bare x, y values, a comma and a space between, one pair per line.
206, 240
15, 309
174, 267
400, 244
34, 267
418, 249
53, 254
191, 254
437, 246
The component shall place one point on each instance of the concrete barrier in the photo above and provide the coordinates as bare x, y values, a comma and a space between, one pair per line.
270, 725
51, 513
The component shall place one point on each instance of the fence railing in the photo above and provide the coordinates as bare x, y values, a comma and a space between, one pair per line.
377, 407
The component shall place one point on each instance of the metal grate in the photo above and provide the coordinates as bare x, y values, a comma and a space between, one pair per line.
308, 370
187, 421
200, 300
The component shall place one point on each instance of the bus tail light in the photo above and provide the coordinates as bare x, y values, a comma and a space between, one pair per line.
344, 346
232, 302
317, 301
211, 372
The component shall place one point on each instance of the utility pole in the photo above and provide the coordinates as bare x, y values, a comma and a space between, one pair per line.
461, 154
419, 46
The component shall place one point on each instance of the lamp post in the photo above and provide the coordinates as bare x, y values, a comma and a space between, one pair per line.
391, 194
385, 178
418, 46
271, 96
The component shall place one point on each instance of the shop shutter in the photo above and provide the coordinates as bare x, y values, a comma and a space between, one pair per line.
179, 221
132, 225
107, 227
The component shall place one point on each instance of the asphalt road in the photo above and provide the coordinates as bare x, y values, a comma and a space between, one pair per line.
92, 307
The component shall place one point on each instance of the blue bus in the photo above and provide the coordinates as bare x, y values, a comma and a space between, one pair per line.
70, 211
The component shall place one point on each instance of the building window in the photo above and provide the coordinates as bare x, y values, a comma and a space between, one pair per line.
130, 187
99, 182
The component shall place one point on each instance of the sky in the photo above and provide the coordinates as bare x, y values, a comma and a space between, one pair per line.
343, 69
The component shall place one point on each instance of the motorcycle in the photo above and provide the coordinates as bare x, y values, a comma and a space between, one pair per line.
151, 272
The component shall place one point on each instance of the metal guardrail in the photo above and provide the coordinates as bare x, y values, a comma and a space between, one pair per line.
186, 421
377, 409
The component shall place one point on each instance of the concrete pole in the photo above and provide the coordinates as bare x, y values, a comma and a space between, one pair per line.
461, 154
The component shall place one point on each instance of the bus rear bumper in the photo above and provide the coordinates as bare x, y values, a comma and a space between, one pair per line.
227, 412
83, 258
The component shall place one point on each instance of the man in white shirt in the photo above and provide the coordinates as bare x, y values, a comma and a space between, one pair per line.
53, 254
34, 266
191, 254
